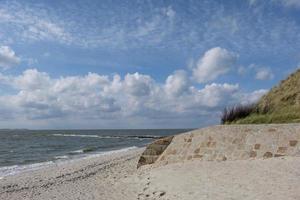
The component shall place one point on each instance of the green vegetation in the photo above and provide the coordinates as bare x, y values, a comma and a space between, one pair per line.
235, 113
88, 149
280, 105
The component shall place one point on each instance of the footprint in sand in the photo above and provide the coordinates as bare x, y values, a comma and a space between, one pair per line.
142, 195
146, 194
159, 194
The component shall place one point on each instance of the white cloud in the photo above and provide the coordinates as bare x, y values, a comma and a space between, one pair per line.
25, 23
252, 97
291, 3
177, 83
193, 28
264, 73
44, 30
214, 63
8, 58
252, 2
286, 3
214, 95
38, 97
260, 72
31, 80
137, 84
169, 12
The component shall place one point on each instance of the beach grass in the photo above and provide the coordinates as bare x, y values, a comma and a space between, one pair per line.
280, 105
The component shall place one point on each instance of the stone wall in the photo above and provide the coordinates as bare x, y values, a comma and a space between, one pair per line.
154, 150
233, 142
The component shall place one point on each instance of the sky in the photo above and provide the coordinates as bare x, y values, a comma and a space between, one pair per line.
140, 64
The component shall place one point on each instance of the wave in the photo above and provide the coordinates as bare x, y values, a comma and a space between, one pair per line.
61, 157
144, 136
84, 150
16, 169
110, 137
112, 151
77, 151
77, 135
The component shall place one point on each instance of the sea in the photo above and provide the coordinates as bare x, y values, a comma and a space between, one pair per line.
25, 150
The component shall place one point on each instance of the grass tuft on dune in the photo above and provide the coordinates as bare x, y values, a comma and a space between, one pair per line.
280, 105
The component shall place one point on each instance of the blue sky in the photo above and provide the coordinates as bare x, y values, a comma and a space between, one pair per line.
140, 64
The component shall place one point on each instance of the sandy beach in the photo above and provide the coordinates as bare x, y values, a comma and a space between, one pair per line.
116, 177
89, 178
150, 100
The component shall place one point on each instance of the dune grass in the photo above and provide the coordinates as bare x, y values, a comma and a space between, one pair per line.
280, 105
284, 115
232, 114
251, 115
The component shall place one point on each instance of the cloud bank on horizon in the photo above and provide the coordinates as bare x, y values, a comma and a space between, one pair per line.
121, 64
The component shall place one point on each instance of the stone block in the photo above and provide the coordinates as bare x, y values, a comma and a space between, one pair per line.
158, 148
197, 150
211, 144
224, 158
171, 151
197, 156
272, 130
257, 146
293, 143
253, 154
278, 155
268, 155
281, 150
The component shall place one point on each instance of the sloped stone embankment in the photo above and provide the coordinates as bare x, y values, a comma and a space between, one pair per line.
154, 150
226, 142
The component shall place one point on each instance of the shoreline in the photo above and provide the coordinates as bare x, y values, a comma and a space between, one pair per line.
60, 160
91, 173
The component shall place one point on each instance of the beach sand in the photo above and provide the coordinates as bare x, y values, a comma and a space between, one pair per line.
116, 177
89, 178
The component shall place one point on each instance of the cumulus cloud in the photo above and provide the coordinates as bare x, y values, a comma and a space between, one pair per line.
137, 84
214, 95
137, 97
31, 80
264, 73
214, 63
177, 83
40, 96
8, 58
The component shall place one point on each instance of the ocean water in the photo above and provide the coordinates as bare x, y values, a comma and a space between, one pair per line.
22, 150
